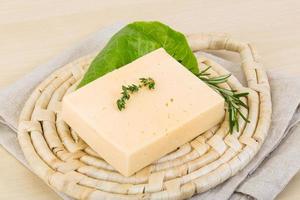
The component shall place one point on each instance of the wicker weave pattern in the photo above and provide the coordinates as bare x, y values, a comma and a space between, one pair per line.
65, 162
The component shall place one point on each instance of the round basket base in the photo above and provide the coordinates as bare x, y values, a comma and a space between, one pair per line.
65, 162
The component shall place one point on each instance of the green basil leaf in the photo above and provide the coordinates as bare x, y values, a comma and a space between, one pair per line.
135, 40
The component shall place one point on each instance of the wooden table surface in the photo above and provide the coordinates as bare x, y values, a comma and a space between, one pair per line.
31, 32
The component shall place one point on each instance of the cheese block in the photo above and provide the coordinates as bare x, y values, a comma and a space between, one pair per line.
154, 122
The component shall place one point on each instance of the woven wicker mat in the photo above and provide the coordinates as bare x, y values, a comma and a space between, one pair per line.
66, 163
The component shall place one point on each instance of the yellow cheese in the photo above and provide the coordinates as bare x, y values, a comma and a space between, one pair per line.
154, 122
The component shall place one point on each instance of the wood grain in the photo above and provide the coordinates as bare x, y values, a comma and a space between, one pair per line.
31, 32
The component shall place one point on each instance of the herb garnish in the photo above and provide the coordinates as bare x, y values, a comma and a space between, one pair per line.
130, 89
139, 38
232, 98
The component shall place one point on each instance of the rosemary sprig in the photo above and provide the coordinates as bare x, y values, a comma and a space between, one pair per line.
130, 89
232, 98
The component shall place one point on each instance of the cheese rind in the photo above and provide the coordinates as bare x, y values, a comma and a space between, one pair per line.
154, 122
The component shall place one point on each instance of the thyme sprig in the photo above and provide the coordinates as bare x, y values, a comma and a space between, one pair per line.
130, 89
232, 98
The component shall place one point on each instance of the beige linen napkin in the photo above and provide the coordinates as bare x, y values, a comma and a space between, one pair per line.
263, 178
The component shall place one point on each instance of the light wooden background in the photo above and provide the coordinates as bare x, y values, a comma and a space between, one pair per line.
31, 32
